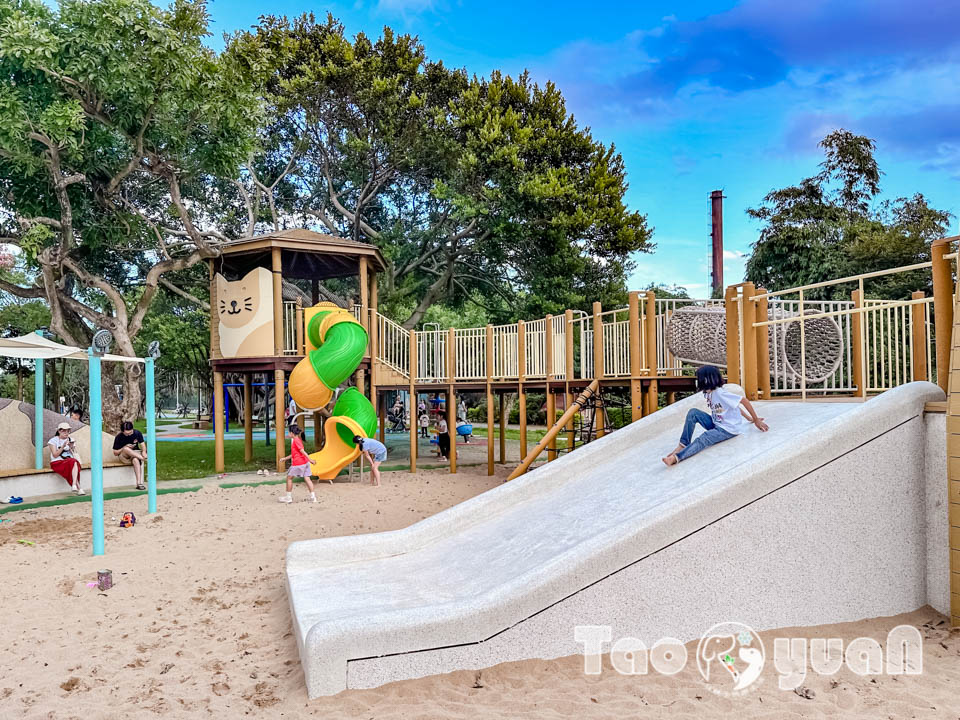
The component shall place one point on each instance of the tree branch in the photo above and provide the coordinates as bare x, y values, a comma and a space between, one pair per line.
184, 294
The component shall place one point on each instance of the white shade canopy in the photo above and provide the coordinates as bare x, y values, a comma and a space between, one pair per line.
37, 347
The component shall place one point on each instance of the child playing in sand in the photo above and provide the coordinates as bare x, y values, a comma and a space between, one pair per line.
727, 412
299, 466
376, 453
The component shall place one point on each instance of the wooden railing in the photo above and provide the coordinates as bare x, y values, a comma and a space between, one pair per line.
883, 343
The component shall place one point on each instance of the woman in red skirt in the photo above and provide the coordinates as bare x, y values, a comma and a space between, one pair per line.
62, 461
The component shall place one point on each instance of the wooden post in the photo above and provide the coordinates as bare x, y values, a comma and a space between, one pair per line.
413, 397
749, 333
521, 375
918, 338
857, 337
214, 318
568, 372
216, 407
373, 329
281, 429
550, 397
942, 309
317, 431
381, 405
364, 298
598, 369
247, 417
490, 420
636, 358
653, 392
503, 429
277, 266
763, 345
953, 466
733, 335
301, 349
452, 396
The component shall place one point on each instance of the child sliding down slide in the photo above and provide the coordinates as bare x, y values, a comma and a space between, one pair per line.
727, 413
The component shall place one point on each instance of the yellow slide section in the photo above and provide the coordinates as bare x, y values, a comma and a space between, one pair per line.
336, 454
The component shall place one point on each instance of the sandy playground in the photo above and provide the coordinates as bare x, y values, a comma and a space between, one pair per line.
198, 625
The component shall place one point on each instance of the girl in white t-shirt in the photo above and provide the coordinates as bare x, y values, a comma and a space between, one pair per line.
726, 419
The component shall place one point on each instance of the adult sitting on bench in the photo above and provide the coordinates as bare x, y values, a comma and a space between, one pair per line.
129, 445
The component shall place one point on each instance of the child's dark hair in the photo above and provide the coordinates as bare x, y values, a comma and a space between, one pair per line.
295, 429
708, 378
358, 441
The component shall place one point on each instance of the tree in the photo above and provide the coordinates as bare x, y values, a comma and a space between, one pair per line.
830, 226
115, 124
478, 190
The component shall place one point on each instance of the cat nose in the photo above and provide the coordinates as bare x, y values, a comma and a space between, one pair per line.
233, 303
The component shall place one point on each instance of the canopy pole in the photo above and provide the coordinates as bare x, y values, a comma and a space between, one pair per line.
38, 440
151, 439
96, 453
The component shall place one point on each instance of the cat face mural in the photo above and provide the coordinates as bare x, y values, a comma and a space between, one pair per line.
245, 310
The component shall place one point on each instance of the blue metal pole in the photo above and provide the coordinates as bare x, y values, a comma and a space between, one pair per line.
38, 440
151, 441
226, 411
96, 453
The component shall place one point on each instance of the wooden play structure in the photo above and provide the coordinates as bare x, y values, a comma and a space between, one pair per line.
874, 345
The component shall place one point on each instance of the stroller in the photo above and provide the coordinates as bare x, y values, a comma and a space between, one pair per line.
396, 422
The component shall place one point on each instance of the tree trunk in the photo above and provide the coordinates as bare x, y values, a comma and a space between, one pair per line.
116, 410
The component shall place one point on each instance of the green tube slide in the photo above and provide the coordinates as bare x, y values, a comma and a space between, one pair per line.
335, 359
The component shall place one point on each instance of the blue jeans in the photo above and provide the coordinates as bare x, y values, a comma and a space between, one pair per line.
711, 435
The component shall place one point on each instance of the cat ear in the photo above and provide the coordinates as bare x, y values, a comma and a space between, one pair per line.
221, 284
255, 276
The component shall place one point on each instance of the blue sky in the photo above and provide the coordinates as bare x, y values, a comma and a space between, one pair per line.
700, 96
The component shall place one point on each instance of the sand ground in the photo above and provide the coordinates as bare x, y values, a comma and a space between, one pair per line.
198, 625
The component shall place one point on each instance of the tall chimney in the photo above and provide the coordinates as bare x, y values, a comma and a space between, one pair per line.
716, 235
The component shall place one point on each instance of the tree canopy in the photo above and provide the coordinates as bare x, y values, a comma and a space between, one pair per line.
831, 225
114, 120
478, 190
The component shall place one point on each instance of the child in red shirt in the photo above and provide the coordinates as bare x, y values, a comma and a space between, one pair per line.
299, 466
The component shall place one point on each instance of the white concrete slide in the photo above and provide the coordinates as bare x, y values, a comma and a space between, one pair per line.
826, 518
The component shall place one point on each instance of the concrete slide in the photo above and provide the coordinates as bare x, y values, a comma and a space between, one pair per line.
838, 513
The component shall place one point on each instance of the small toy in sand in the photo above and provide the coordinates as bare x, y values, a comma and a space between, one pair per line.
128, 520
104, 579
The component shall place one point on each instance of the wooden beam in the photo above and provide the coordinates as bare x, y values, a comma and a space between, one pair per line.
733, 335
598, 369
503, 429
413, 397
568, 373
749, 334
216, 407
763, 345
550, 397
636, 357
650, 318
918, 338
452, 396
277, 267
374, 334
281, 429
247, 417
943, 309
488, 368
856, 320
522, 395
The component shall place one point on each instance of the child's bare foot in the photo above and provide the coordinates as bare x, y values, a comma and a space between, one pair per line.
670, 460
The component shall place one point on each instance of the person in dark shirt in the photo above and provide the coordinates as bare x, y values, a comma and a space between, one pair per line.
129, 445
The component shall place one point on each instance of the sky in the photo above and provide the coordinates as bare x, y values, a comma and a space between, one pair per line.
700, 96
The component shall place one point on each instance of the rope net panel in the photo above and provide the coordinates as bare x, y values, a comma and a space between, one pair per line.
698, 335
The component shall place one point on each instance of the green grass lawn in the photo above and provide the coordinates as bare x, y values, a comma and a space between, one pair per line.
533, 436
141, 424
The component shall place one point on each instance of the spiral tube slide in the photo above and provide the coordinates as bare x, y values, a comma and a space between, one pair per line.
338, 342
